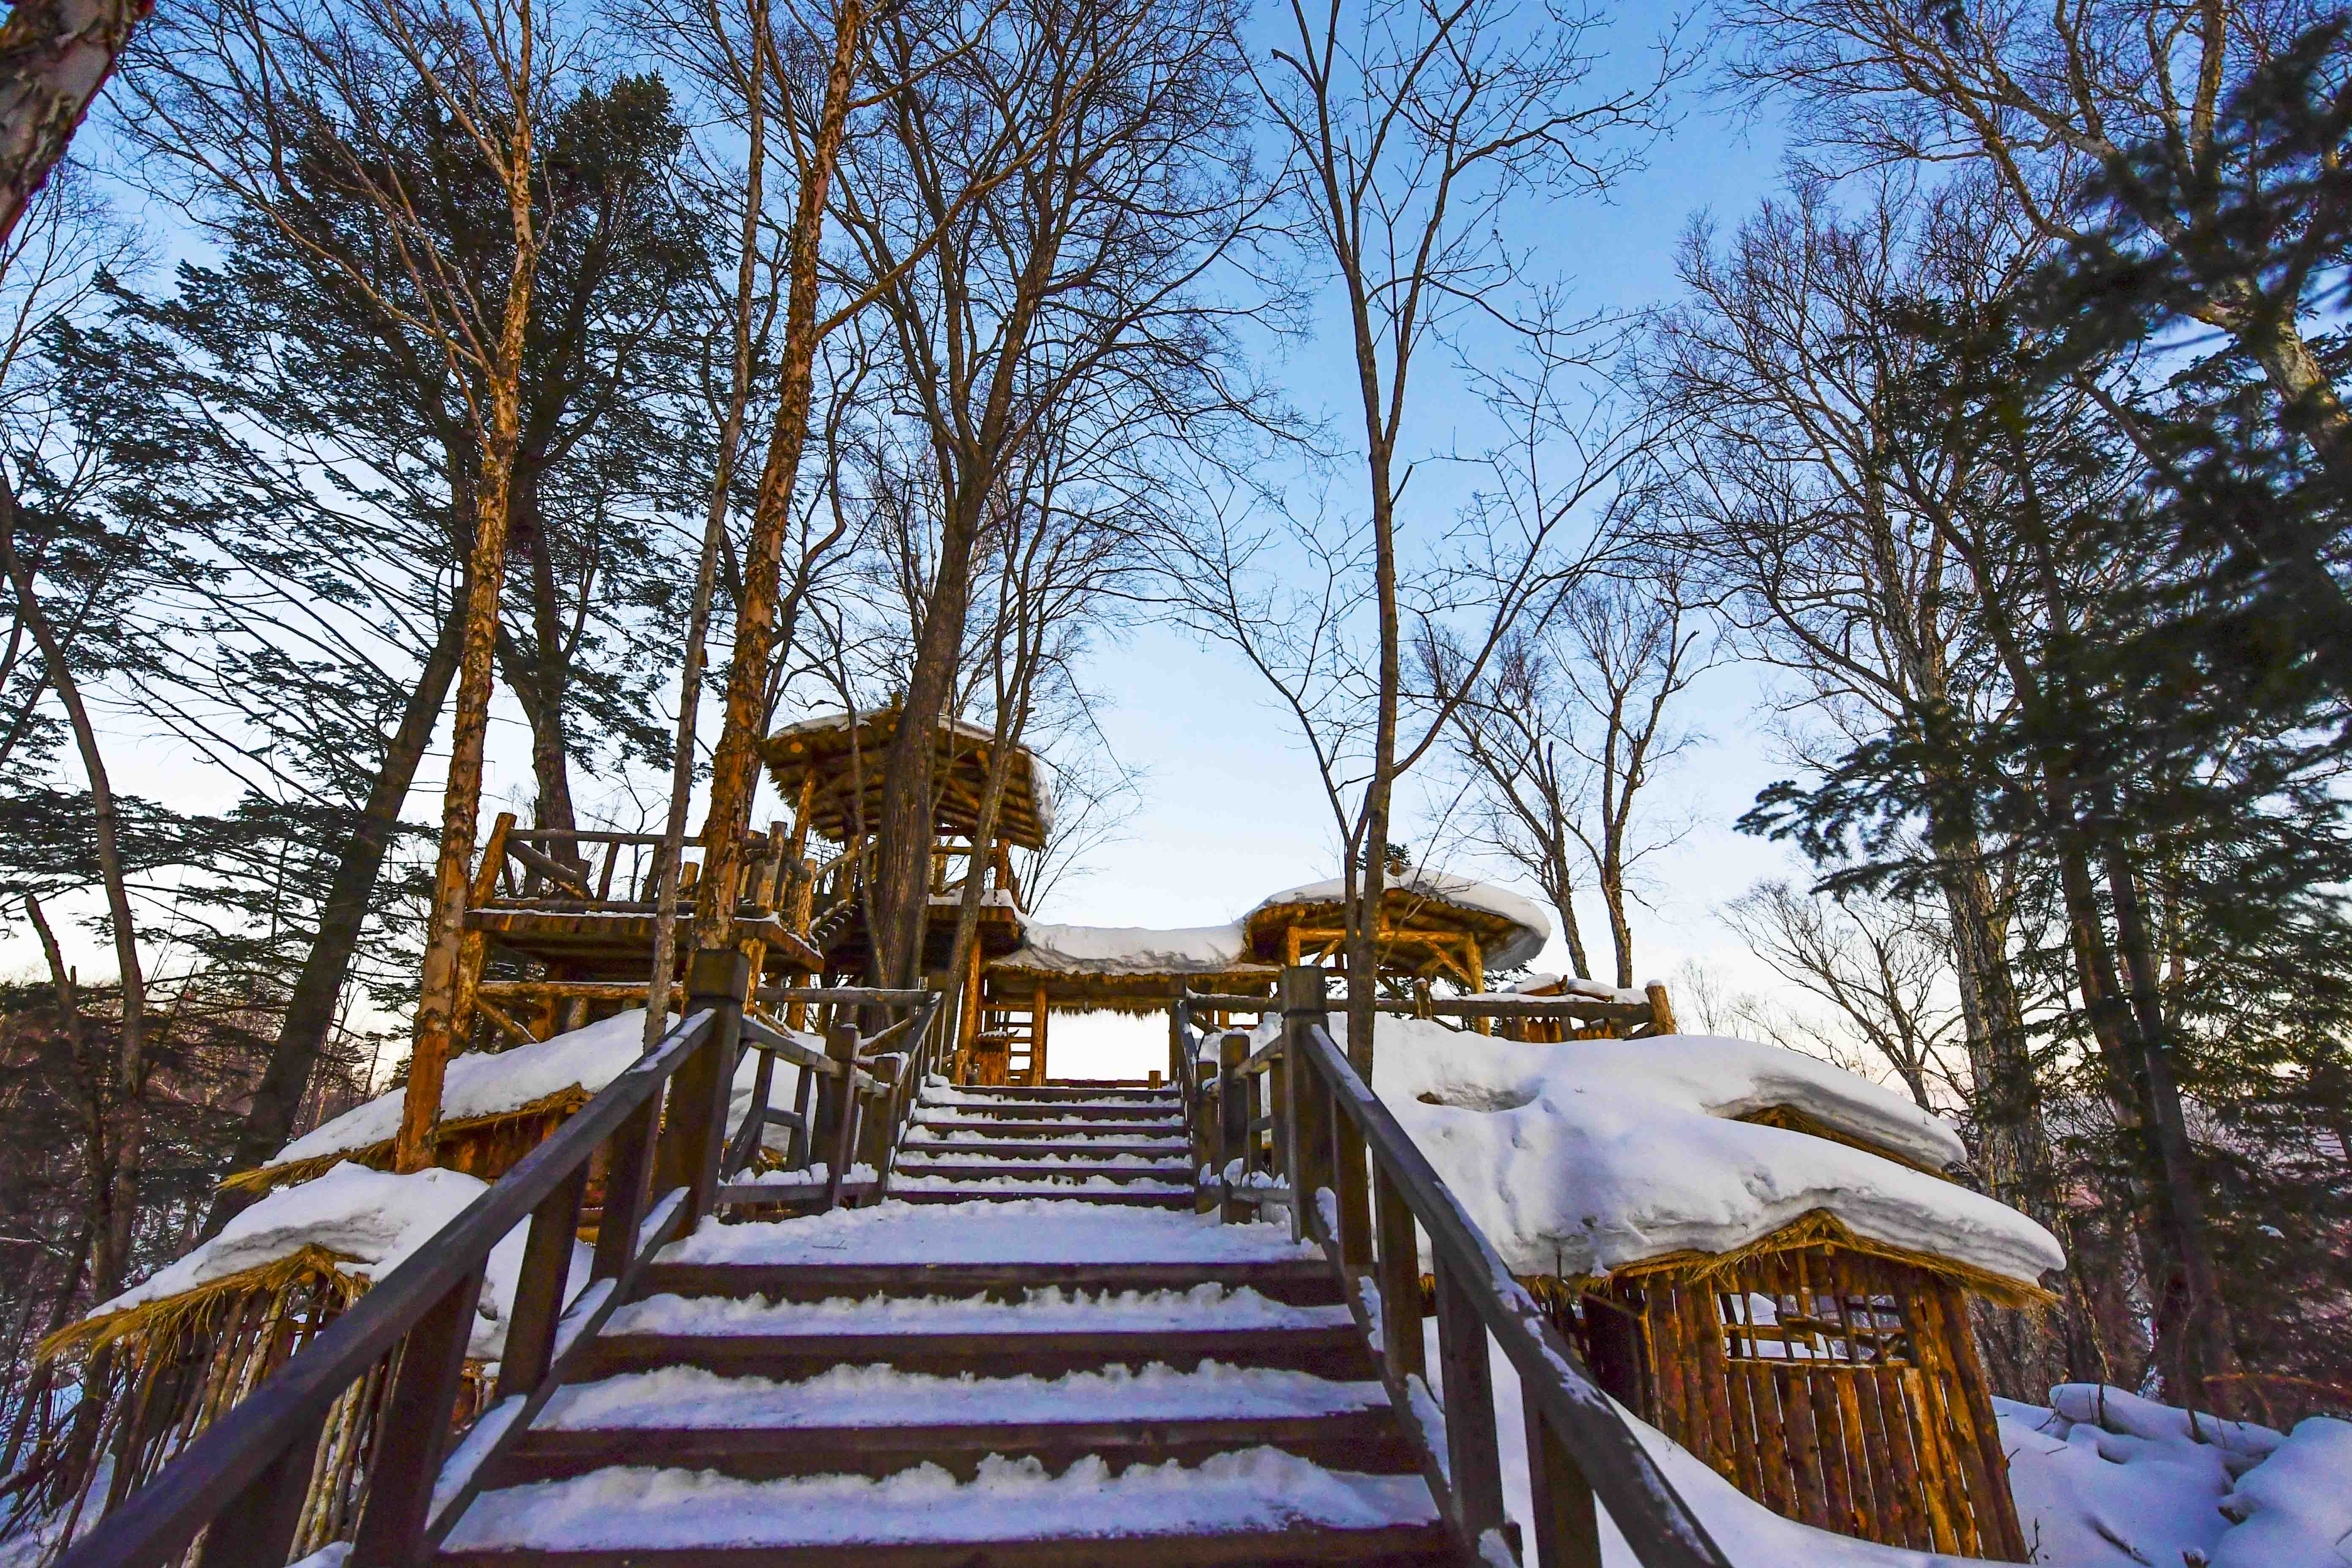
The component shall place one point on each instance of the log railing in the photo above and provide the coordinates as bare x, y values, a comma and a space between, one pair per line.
657, 1134
853, 1101
1307, 1131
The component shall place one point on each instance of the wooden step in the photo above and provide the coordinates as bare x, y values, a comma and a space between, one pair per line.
1063, 1091
1302, 1282
1047, 1110
1172, 1154
1161, 1131
1361, 1440
1335, 1350
968, 1195
1392, 1546
998, 1170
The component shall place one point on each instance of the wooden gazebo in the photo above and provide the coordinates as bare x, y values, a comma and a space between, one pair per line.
1432, 927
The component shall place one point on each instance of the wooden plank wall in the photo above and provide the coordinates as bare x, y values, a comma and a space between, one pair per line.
1898, 1448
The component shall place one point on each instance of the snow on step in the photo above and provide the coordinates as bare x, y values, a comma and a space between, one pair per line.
1023, 1230
1038, 1187
882, 1396
632, 1508
1044, 1309
916, 1159
1041, 1133
936, 1093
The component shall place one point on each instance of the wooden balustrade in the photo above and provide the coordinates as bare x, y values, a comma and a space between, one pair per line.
658, 1133
1355, 1184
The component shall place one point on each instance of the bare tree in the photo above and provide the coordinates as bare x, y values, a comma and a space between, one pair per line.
1107, 140
1876, 960
1415, 129
1566, 738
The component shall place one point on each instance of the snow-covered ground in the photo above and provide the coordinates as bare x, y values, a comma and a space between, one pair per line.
2119, 1483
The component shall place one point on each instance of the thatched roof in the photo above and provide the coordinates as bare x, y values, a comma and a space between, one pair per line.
1510, 930
846, 759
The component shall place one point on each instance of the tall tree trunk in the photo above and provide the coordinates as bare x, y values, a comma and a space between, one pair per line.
310, 1009
903, 836
420, 1111
735, 766
541, 689
125, 1110
668, 862
2204, 1356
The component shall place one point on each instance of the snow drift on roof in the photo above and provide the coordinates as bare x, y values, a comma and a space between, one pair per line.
1535, 926
1130, 950
482, 1083
1581, 1158
371, 1220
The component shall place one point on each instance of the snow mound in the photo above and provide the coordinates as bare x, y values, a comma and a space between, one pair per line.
371, 1220
1581, 1158
1535, 925
2294, 1508
1128, 949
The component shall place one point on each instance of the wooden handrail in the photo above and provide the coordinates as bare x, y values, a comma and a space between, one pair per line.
1357, 1185
658, 1127
254, 1462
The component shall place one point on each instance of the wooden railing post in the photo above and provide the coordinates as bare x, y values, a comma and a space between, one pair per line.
416, 1430
1232, 1122
1473, 1464
880, 1124
1400, 1279
838, 1109
539, 1287
268, 1509
695, 1130
1568, 1526
1300, 991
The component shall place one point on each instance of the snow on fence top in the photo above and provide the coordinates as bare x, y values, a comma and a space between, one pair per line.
369, 1221
1583, 1159
1532, 927
1130, 950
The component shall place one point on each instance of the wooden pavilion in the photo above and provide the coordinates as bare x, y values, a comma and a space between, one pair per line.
1432, 928
830, 766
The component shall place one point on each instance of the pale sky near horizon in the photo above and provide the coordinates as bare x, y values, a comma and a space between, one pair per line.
1231, 809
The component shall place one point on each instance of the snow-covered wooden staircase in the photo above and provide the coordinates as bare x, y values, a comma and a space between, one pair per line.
1110, 1144
998, 1378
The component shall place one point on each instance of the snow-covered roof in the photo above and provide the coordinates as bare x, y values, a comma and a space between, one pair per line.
1582, 1159
1534, 926
371, 1220
481, 1083
1131, 949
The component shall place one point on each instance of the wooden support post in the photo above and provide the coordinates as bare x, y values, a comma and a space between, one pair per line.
417, 1420
1300, 991
1037, 1035
837, 1114
970, 1010
1662, 1016
695, 1130
1233, 1121
1400, 1279
1478, 967
539, 1286
1474, 1467
874, 1135
258, 1528
1568, 1531
628, 1168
